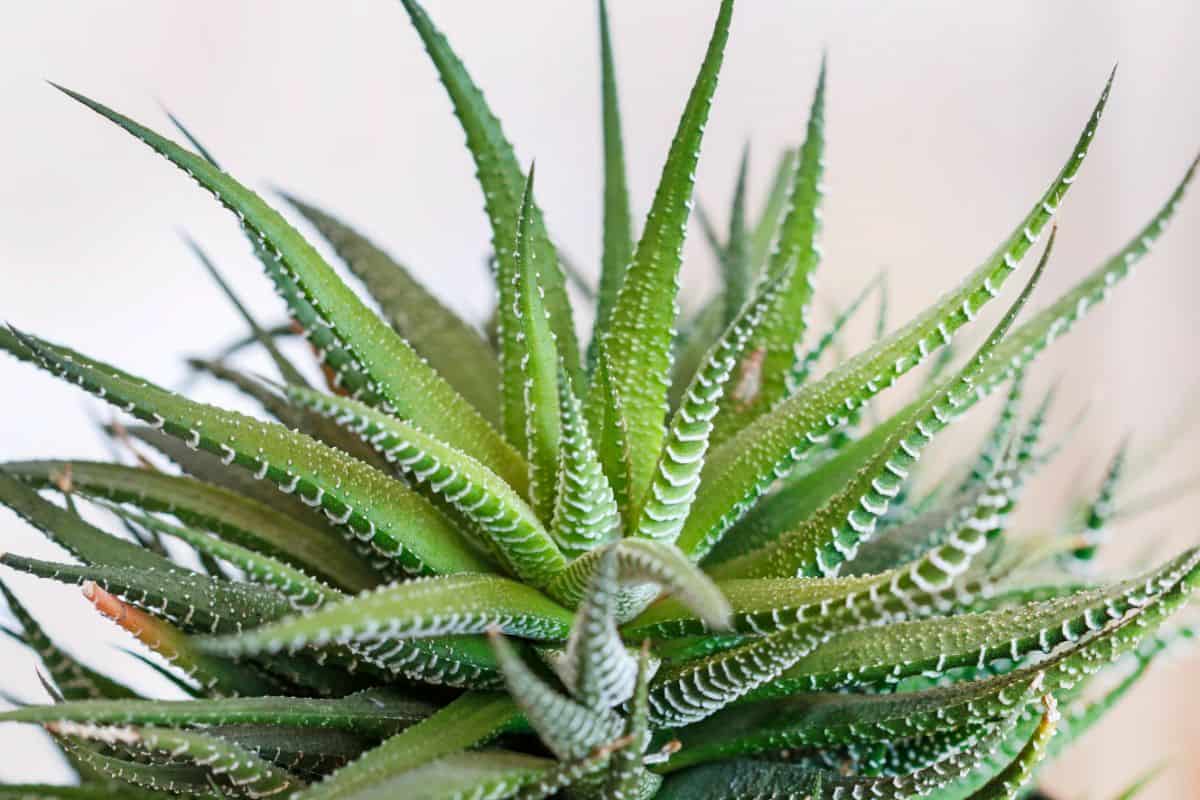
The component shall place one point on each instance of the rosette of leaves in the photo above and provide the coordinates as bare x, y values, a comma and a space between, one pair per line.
678, 559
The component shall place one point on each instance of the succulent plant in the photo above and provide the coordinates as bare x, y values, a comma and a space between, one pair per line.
681, 561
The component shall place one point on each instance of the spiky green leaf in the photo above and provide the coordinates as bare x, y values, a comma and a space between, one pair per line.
366, 503
506, 525
449, 605
739, 471
450, 345
397, 373
638, 341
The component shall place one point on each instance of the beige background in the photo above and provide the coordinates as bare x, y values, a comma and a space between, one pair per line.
945, 120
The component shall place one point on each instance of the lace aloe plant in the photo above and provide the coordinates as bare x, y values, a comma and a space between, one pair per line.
679, 561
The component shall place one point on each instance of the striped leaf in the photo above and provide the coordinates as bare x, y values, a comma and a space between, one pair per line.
677, 476
831, 536
586, 515
248, 774
571, 730
451, 605
193, 601
301, 590
821, 720
886, 655
646, 565
597, 669
509, 528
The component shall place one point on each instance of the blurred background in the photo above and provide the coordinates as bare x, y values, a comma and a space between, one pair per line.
944, 122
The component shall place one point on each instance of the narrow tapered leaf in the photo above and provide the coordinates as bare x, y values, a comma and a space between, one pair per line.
609, 427
570, 729
1009, 783
470, 720
78, 537
215, 676
638, 342
797, 498
302, 590
627, 778
238, 519
73, 679
771, 217
508, 527
803, 366
677, 475
691, 692
1101, 509
908, 541
369, 505
451, 605
287, 371
771, 350
275, 404
502, 180
833, 533
738, 472
742, 779
586, 515
692, 344
307, 753
736, 276
933, 582
489, 773
377, 712
452, 346
250, 775
880, 656
464, 662
194, 601
396, 372
597, 669
188, 780
530, 357
821, 720
210, 468
997, 438
617, 246
1051, 322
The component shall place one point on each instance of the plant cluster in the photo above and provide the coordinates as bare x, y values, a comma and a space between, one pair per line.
683, 561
